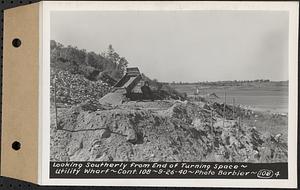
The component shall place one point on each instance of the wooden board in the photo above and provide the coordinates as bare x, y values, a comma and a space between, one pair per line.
20, 94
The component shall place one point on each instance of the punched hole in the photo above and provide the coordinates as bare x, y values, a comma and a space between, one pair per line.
16, 145
16, 42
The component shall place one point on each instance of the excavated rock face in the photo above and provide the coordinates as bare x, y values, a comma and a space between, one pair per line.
157, 131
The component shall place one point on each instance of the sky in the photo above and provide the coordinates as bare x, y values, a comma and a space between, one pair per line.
187, 46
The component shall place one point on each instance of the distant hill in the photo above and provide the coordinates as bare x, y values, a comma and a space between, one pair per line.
258, 82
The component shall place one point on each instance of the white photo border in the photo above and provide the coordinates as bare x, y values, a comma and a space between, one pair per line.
44, 91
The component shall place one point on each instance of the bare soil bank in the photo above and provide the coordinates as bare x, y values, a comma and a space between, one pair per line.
165, 130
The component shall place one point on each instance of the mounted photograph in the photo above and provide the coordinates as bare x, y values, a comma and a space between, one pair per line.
170, 90
151, 94
189, 86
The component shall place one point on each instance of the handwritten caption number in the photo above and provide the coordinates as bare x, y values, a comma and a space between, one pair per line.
277, 174
264, 173
145, 171
183, 172
170, 172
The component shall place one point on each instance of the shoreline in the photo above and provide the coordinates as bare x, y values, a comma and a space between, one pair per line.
262, 110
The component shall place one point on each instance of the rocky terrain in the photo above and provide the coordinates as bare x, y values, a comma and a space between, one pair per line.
96, 123
74, 88
164, 130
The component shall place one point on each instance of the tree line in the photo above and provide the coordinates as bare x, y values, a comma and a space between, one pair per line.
233, 82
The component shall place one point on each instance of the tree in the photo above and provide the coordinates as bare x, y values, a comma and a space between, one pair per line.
117, 63
95, 60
